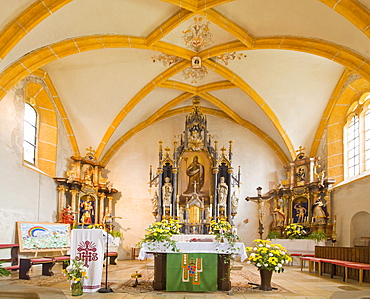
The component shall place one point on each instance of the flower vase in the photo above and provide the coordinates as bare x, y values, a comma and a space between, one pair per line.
76, 288
266, 276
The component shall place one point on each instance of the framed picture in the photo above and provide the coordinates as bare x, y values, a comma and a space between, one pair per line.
43, 236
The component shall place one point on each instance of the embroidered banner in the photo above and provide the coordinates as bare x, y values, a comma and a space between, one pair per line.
88, 245
191, 272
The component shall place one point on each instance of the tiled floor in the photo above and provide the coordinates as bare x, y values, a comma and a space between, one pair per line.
299, 285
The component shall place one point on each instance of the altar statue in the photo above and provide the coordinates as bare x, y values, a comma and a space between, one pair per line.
301, 212
234, 203
155, 203
195, 172
279, 215
222, 192
319, 212
67, 215
167, 192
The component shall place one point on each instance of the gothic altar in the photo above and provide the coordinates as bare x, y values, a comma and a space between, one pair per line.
195, 181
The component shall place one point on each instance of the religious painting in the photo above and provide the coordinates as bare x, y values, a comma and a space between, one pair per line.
195, 177
43, 236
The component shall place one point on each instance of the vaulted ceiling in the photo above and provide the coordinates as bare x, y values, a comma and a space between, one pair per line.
292, 59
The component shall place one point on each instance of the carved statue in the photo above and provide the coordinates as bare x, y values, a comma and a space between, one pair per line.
279, 215
181, 214
234, 203
88, 176
86, 218
86, 206
208, 214
67, 215
301, 175
167, 192
222, 192
301, 212
108, 219
155, 203
195, 172
71, 174
319, 214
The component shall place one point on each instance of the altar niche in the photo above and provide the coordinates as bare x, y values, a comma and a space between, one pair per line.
195, 182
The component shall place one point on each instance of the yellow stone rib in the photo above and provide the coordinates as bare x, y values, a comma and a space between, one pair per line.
165, 112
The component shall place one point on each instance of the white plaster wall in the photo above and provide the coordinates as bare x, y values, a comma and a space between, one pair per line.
27, 195
348, 200
129, 171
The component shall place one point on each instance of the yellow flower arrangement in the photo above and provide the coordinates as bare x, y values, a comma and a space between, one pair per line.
295, 231
222, 229
162, 232
265, 255
75, 271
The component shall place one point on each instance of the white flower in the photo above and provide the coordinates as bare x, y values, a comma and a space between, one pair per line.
252, 254
280, 265
260, 245
258, 265
267, 245
282, 261
248, 262
277, 268
270, 254
255, 248
266, 265
69, 268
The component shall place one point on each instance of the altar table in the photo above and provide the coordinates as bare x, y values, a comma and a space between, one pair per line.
221, 251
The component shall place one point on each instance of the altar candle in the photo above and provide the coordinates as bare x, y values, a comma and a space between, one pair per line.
210, 210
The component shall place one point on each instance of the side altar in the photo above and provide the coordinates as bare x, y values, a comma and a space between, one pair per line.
195, 181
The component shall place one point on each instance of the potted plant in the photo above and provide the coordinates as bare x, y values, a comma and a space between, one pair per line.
76, 272
3, 271
318, 236
268, 258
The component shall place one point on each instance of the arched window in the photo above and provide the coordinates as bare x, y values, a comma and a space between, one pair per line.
367, 139
30, 134
353, 146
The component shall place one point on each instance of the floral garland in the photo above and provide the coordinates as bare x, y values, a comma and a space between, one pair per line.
265, 255
295, 231
162, 232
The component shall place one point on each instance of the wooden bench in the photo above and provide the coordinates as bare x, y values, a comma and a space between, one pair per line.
49, 262
25, 265
346, 264
13, 256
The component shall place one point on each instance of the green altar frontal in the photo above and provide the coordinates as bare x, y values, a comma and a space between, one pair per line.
191, 272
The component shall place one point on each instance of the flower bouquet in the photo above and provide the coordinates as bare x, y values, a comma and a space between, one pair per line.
75, 272
223, 230
295, 231
265, 255
162, 232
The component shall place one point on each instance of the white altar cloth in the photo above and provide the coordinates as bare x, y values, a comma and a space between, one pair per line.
186, 238
88, 245
297, 246
199, 247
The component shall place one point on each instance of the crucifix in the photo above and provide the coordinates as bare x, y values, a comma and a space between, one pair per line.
260, 200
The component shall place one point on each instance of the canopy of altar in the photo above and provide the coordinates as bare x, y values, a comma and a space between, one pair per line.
237, 249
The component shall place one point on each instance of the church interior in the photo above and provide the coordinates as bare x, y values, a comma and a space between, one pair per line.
125, 113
